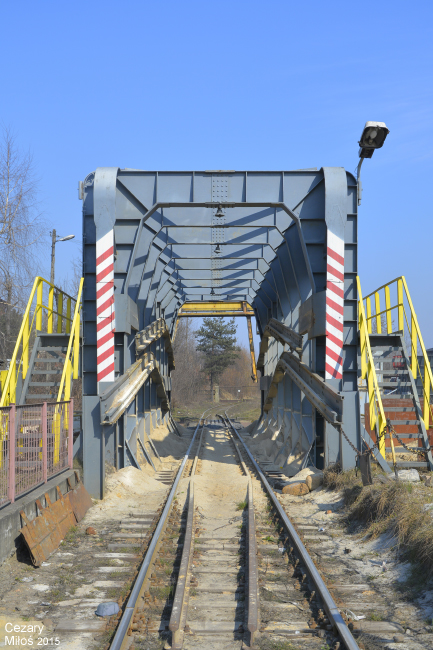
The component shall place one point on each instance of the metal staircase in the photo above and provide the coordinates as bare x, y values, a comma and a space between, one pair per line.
46, 365
46, 355
400, 399
394, 412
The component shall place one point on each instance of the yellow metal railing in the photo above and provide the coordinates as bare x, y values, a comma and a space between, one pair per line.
399, 314
70, 371
368, 373
41, 314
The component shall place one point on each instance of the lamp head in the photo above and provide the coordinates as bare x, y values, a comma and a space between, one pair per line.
373, 136
66, 238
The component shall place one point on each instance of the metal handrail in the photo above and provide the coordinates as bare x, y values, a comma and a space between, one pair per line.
73, 352
410, 318
8, 395
328, 602
368, 371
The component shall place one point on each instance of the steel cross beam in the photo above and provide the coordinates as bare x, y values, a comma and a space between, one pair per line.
251, 292
226, 309
183, 286
162, 251
220, 308
215, 204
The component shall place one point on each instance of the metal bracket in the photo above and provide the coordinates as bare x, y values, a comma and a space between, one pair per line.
145, 453
151, 333
128, 447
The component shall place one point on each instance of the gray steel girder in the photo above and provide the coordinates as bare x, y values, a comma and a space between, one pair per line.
320, 394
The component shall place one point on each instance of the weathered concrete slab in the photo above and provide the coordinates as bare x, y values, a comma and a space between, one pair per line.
71, 625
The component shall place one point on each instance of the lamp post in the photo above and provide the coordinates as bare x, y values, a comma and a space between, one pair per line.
373, 136
54, 241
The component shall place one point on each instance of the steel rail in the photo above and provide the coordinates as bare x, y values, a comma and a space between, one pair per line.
253, 574
194, 465
125, 621
241, 460
328, 602
180, 601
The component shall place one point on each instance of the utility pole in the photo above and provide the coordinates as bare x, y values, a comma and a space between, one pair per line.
53, 255
54, 240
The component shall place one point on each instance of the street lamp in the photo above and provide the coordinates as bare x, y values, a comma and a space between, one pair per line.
373, 136
54, 241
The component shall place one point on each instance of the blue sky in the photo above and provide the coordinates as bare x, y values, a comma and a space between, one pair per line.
231, 85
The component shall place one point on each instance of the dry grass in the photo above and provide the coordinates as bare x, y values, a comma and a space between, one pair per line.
390, 506
335, 479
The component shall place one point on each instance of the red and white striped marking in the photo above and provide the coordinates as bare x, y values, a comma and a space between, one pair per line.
105, 307
334, 307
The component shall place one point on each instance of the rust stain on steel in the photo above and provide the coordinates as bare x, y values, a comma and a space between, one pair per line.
45, 532
62, 512
79, 498
41, 535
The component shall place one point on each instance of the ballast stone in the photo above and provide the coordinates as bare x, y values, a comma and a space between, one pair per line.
107, 609
408, 475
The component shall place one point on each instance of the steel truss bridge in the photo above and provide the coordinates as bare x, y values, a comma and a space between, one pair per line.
280, 246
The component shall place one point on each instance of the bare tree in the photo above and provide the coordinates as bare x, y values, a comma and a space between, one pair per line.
70, 283
236, 382
187, 380
22, 232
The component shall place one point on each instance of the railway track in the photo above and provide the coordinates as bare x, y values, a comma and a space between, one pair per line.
225, 567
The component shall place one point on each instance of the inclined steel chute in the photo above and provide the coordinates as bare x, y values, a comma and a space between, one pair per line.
318, 392
116, 399
281, 333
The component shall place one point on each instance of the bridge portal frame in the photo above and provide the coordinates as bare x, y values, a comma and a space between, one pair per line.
306, 274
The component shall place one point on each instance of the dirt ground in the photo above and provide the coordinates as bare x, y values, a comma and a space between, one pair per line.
376, 562
63, 593
392, 593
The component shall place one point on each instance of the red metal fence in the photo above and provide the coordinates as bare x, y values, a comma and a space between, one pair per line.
36, 443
